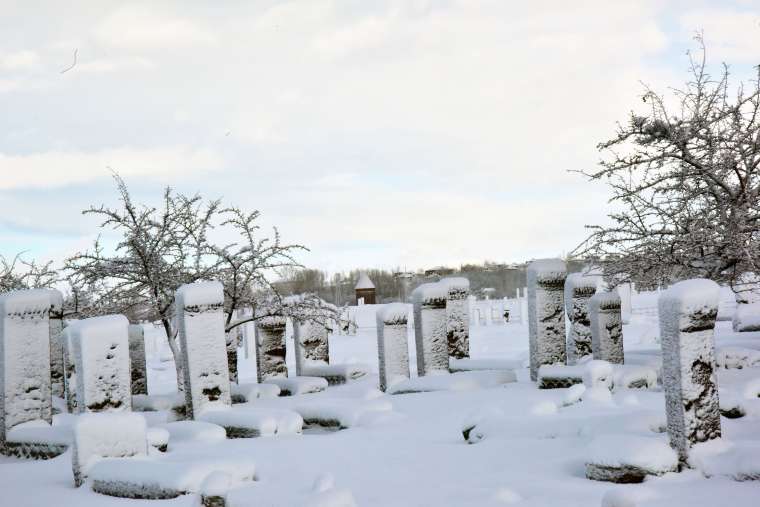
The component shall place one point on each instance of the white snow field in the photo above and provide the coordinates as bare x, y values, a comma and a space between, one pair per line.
528, 447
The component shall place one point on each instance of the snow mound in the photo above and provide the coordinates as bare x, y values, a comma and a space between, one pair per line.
463, 381
593, 373
181, 432
158, 438
336, 374
293, 386
247, 392
456, 365
200, 294
157, 402
634, 377
746, 317
340, 413
618, 458
626, 497
737, 357
737, 460
244, 422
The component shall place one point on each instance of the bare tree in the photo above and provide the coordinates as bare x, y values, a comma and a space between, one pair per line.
685, 185
18, 273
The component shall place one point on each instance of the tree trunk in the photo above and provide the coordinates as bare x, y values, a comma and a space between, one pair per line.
178, 361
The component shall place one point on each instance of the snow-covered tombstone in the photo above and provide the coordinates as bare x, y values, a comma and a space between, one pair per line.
430, 327
579, 287
270, 348
69, 374
24, 359
457, 316
311, 345
100, 349
688, 311
392, 347
747, 295
606, 327
137, 359
546, 313
56, 343
200, 320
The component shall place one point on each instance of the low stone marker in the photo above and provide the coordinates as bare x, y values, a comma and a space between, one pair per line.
579, 287
392, 346
430, 327
457, 316
688, 311
56, 343
270, 348
137, 359
100, 347
546, 313
607, 327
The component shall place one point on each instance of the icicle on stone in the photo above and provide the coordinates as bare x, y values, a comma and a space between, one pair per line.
137, 359
607, 327
457, 316
200, 321
579, 287
57, 374
688, 311
270, 348
430, 328
392, 347
311, 345
546, 313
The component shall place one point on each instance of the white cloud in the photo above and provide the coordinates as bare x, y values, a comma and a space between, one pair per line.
19, 60
730, 35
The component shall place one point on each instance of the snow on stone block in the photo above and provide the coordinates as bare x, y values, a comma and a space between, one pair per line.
244, 422
559, 376
37, 440
457, 316
56, 343
174, 403
247, 392
101, 355
201, 330
737, 357
392, 347
598, 374
634, 377
746, 317
457, 365
214, 489
106, 435
463, 381
579, 287
628, 459
546, 313
429, 304
311, 343
158, 438
24, 359
731, 406
336, 374
739, 461
294, 386
137, 359
193, 432
606, 327
270, 348
687, 321
340, 413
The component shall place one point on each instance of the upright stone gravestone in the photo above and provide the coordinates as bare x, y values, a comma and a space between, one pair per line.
546, 313
311, 345
57, 374
24, 359
201, 330
458, 316
270, 348
606, 327
69, 373
392, 347
137, 359
429, 301
579, 287
100, 348
688, 311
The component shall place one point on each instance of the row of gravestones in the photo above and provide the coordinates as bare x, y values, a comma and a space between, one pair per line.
687, 313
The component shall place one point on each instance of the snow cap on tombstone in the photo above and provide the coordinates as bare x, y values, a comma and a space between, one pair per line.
431, 294
105, 325
56, 300
393, 314
25, 302
457, 287
200, 294
691, 295
548, 270
606, 300
272, 321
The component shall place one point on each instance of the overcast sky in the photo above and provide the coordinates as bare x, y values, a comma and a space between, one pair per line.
382, 133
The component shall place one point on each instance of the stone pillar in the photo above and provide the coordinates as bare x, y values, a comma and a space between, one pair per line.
546, 313
430, 328
270, 348
70, 374
311, 344
100, 350
24, 359
137, 359
392, 347
200, 319
232, 344
457, 316
688, 311
606, 327
56, 343
579, 287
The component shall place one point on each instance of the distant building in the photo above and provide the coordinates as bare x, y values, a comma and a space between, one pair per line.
365, 289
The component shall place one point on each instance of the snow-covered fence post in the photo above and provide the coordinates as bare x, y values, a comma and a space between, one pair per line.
100, 349
311, 344
606, 327
579, 287
270, 348
200, 320
430, 328
688, 311
137, 359
56, 343
24, 359
457, 316
392, 347
546, 313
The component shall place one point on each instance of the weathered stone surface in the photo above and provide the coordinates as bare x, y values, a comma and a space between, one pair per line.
546, 313
626, 474
430, 328
311, 345
392, 347
137, 359
606, 327
457, 316
579, 287
56, 343
270, 348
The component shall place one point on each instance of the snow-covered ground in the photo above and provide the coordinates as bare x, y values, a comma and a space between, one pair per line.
409, 450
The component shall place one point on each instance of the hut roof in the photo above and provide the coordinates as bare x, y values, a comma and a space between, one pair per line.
364, 282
